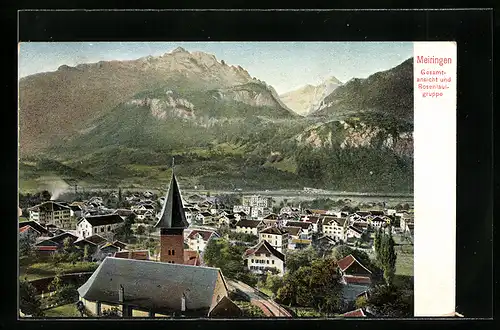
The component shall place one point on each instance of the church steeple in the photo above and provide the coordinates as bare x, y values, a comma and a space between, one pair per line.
172, 223
172, 214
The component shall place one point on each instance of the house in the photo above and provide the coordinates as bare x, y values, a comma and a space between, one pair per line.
124, 213
297, 240
119, 244
225, 308
271, 216
259, 212
325, 240
276, 237
136, 255
242, 208
148, 194
198, 239
46, 247
306, 228
37, 226
28, 231
189, 214
360, 312
335, 228
75, 211
377, 213
106, 250
51, 213
362, 214
293, 232
316, 212
353, 232
289, 211
82, 243
96, 239
226, 220
390, 211
144, 211
263, 257
240, 215
378, 222
355, 277
206, 218
248, 227
298, 243
269, 223
192, 257
142, 288
104, 225
409, 228
314, 220
59, 239
403, 220
257, 201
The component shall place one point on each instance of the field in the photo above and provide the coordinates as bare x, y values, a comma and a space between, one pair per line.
405, 260
33, 271
68, 310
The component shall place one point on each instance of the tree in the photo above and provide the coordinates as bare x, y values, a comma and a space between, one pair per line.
221, 254
67, 294
56, 284
299, 258
26, 244
45, 196
29, 302
391, 301
124, 232
315, 285
86, 253
273, 283
120, 198
386, 255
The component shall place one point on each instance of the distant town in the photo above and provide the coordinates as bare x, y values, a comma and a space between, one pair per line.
120, 254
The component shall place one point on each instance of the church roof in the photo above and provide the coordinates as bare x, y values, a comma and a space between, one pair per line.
149, 284
172, 214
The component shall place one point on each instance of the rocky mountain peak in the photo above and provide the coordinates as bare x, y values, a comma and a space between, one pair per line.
179, 50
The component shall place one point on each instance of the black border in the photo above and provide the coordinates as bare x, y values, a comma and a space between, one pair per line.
471, 29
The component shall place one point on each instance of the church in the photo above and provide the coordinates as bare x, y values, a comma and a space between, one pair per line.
171, 287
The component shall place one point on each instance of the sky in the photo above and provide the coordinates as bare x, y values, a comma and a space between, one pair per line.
284, 65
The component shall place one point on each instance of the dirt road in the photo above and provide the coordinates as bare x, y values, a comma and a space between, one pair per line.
268, 306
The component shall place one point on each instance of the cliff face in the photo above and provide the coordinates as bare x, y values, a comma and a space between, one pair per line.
345, 135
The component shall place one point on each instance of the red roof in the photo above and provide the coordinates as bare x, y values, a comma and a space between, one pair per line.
357, 279
137, 255
192, 257
356, 313
347, 262
205, 234
46, 248
25, 228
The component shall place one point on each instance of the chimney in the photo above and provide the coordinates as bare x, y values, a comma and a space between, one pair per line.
121, 293
183, 303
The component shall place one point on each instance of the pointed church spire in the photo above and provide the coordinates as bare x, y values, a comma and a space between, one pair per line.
172, 215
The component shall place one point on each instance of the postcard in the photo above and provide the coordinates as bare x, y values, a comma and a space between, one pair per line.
240, 180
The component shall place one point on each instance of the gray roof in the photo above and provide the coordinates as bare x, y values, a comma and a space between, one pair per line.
172, 214
149, 284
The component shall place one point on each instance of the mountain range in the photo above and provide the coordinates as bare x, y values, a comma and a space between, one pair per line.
307, 99
120, 123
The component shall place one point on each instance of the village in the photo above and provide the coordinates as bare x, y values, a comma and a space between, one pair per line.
147, 255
